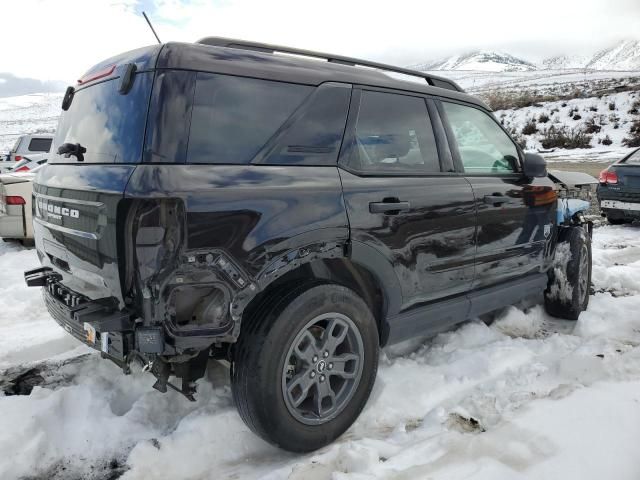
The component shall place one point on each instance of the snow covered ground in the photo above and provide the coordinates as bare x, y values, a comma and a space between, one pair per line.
528, 397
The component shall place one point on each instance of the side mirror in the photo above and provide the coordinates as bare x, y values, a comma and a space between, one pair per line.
534, 165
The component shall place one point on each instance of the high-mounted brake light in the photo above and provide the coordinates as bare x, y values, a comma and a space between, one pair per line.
105, 72
608, 176
13, 200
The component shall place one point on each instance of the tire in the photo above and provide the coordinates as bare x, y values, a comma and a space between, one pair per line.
617, 221
270, 375
567, 293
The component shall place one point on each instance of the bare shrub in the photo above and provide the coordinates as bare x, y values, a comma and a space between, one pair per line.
543, 118
591, 126
633, 140
564, 137
501, 100
607, 140
612, 106
530, 128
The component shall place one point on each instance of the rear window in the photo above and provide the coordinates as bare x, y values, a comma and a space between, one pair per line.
633, 159
16, 145
234, 117
105, 122
40, 144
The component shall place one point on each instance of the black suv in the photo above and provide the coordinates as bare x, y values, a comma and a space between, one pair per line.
243, 202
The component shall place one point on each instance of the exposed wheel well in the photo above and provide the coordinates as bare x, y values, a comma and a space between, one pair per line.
341, 271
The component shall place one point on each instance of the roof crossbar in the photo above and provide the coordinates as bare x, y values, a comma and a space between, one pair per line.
339, 59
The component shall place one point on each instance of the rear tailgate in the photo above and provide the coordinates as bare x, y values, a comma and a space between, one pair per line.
628, 175
98, 142
75, 225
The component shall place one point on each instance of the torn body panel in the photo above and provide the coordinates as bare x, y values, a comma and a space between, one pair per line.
201, 257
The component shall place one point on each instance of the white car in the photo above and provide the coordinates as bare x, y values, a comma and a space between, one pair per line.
26, 146
15, 205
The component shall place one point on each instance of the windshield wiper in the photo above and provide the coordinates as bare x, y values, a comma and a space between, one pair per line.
75, 149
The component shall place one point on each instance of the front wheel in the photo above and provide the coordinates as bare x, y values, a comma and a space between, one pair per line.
304, 370
567, 294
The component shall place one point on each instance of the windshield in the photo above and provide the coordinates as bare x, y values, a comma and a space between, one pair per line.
108, 124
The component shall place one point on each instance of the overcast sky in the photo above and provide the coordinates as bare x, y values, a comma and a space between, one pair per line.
60, 39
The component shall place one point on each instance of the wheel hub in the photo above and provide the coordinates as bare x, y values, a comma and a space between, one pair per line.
322, 369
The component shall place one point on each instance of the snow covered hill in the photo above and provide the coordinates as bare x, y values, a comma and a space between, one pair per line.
485, 61
529, 397
623, 56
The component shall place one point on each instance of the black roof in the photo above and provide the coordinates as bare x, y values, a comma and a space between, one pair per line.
252, 59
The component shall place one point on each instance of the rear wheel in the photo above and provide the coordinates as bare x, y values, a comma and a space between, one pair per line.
617, 220
567, 294
304, 369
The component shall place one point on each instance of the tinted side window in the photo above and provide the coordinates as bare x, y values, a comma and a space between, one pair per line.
40, 144
484, 147
394, 135
314, 133
169, 116
233, 117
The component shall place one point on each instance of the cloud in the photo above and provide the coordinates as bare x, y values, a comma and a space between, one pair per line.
66, 37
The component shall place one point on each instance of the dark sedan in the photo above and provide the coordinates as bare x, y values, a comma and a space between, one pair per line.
619, 190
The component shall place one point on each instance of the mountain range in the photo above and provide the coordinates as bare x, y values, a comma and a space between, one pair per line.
625, 55
10, 85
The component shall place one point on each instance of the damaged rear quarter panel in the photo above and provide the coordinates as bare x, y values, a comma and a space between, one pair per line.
255, 221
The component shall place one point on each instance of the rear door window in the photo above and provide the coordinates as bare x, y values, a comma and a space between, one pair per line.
40, 144
394, 135
234, 117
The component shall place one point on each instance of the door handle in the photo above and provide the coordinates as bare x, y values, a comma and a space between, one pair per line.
495, 199
390, 208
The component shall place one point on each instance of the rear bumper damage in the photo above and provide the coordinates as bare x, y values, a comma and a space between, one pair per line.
97, 324
119, 334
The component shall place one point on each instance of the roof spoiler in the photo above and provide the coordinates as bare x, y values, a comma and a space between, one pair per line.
432, 80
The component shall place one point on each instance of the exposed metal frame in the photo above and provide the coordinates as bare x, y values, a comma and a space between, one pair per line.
432, 80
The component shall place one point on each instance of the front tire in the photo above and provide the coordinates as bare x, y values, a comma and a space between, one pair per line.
304, 369
567, 293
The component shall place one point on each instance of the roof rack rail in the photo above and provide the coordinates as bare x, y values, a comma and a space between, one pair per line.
352, 62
